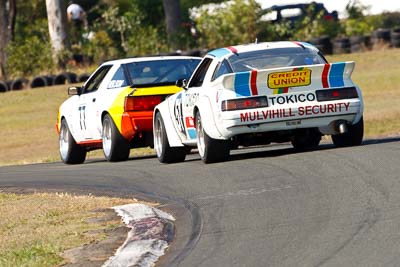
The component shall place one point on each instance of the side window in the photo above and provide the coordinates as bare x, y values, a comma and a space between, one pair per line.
198, 76
95, 81
222, 69
118, 80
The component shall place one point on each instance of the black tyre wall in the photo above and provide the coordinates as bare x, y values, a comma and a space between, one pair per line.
66, 78
3, 87
18, 84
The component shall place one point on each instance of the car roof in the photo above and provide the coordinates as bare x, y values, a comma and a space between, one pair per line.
143, 59
237, 49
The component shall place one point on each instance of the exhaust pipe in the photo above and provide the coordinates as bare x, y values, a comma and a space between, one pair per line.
341, 127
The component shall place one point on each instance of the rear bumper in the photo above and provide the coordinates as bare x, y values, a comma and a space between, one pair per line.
319, 115
133, 123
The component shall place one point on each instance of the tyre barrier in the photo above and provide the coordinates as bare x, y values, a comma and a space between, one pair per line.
4, 87
342, 46
323, 43
395, 37
42, 81
19, 84
83, 77
192, 53
66, 78
360, 43
380, 38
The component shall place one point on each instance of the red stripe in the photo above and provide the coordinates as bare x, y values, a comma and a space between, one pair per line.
91, 143
233, 50
324, 77
285, 90
253, 82
298, 43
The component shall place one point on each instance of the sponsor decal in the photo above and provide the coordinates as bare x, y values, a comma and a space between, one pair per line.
309, 110
115, 83
191, 131
189, 122
287, 99
297, 77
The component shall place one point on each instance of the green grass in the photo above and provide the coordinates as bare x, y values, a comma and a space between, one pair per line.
28, 117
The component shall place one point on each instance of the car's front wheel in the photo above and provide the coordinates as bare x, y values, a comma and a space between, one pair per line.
115, 146
210, 150
165, 153
70, 151
353, 136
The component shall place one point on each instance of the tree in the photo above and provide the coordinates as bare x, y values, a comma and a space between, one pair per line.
8, 12
57, 20
173, 21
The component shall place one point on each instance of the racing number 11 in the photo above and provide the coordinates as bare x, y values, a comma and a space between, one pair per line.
82, 117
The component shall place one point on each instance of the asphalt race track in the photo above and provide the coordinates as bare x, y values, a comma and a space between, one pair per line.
267, 206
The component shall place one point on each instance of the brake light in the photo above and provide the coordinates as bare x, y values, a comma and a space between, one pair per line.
336, 94
244, 103
142, 103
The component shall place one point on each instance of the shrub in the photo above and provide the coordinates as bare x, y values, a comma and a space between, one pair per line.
31, 57
228, 25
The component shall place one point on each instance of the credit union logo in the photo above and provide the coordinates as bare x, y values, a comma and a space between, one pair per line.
289, 78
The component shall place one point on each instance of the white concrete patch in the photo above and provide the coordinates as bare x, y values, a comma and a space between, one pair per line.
147, 239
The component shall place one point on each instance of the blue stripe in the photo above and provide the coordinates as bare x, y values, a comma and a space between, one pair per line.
192, 133
336, 75
220, 52
242, 84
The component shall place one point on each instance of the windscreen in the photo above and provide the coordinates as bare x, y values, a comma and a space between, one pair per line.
160, 72
275, 58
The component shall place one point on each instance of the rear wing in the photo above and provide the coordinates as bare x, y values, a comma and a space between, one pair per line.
290, 79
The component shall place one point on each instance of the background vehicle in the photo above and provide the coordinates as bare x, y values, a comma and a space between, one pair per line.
257, 94
113, 109
296, 12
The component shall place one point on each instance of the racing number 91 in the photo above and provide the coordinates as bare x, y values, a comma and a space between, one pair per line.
178, 113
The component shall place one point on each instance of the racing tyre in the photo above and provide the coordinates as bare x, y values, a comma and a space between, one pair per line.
210, 150
165, 153
70, 151
353, 136
115, 146
306, 139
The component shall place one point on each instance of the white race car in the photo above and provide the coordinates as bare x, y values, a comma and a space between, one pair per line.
257, 94
113, 110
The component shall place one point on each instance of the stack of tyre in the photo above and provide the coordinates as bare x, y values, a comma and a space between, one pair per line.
42, 81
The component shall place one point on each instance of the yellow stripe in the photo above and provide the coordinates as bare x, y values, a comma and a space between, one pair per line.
117, 108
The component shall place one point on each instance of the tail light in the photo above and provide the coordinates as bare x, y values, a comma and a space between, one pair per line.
142, 103
336, 94
244, 103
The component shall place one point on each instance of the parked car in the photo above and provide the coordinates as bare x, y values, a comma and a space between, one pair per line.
113, 109
257, 94
296, 12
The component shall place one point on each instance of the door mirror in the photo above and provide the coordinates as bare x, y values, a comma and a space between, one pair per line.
74, 90
182, 83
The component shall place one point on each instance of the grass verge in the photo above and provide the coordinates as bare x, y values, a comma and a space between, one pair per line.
37, 228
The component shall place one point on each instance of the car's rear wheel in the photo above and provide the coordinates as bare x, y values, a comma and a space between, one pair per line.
70, 151
165, 153
306, 139
210, 150
115, 146
353, 136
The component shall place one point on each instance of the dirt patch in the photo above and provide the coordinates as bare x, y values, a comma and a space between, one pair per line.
95, 254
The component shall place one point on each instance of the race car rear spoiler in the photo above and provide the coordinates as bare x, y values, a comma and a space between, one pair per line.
283, 80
